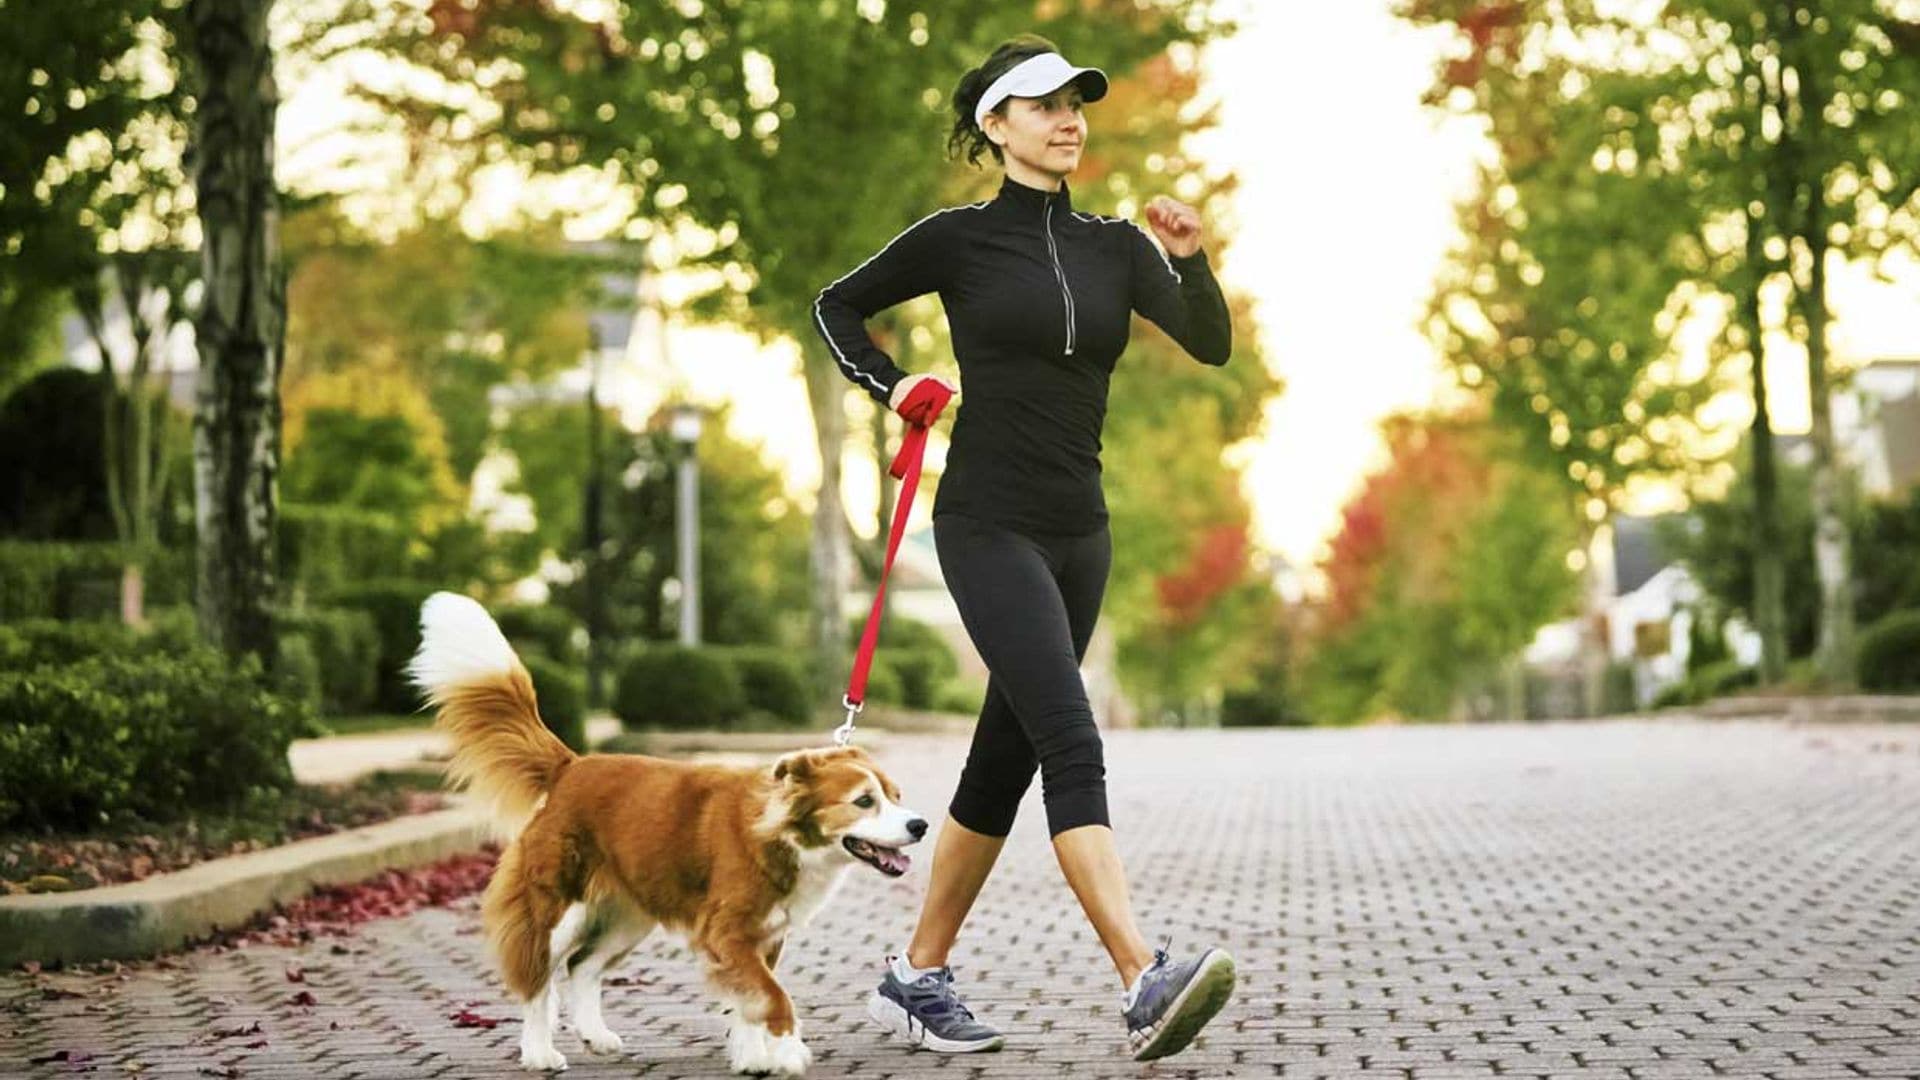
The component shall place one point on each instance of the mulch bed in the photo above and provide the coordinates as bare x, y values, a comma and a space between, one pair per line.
54, 862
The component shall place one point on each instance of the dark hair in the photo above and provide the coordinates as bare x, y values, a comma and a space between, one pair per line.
967, 137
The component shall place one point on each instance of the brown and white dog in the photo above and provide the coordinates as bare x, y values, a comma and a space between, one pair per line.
606, 848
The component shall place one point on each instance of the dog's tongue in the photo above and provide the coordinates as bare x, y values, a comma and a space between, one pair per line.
895, 861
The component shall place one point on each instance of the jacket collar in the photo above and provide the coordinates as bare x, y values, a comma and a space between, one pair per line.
1017, 194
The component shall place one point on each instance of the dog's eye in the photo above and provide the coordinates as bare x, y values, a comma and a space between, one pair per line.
864, 802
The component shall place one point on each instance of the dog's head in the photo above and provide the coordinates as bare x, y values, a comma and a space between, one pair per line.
839, 798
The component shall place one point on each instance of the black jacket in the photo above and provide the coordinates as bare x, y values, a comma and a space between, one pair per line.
1039, 299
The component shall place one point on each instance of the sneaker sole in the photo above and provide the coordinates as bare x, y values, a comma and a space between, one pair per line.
1197, 1004
889, 1014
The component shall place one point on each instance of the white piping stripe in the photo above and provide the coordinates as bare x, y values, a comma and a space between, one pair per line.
854, 372
1163, 255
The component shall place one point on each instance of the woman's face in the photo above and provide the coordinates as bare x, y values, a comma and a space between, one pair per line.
1044, 133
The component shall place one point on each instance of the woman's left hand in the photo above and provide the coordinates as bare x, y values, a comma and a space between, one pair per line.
1176, 224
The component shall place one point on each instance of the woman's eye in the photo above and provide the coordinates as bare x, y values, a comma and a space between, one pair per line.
864, 802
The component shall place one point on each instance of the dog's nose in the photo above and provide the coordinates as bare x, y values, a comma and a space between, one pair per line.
918, 827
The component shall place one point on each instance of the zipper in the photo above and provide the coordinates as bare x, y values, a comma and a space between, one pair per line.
1060, 273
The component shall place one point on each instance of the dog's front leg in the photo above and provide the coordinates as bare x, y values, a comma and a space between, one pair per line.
765, 1037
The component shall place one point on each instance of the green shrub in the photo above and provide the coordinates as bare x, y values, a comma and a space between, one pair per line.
679, 688
1710, 681
118, 738
774, 682
920, 672
958, 695
562, 691
1888, 660
82, 580
325, 549
548, 629
884, 686
346, 645
395, 609
918, 658
31, 643
296, 669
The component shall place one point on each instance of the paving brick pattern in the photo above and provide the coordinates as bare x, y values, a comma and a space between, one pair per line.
1625, 900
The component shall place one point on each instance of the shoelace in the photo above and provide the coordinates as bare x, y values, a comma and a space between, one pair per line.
943, 982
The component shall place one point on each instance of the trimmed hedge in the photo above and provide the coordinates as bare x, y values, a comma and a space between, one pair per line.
562, 692
124, 738
545, 628
33, 643
1888, 657
395, 609
324, 549
774, 682
679, 688
82, 580
1710, 681
346, 647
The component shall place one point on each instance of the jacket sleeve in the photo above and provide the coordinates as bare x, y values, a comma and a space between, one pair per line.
1181, 297
911, 264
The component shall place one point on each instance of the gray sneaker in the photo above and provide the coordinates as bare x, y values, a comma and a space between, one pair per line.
928, 1013
1175, 1001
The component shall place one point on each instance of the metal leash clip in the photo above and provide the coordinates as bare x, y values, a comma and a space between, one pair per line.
843, 734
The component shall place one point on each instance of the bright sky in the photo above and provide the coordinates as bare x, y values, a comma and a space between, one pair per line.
1344, 212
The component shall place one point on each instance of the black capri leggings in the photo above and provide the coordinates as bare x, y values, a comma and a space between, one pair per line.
1029, 604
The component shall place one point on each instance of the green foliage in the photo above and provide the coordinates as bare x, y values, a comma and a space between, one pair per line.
775, 684
1709, 682
546, 629
753, 541
345, 643
52, 473
394, 607
678, 688
27, 644
296, 670
151, 737
73, 581
1889, 654
562, 692
1447, 562
885, 686
959, 695
916, 656
323, 548
1719, 546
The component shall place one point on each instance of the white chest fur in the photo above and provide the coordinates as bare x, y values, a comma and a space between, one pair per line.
820, 874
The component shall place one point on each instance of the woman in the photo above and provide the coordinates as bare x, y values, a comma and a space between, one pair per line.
1039, 298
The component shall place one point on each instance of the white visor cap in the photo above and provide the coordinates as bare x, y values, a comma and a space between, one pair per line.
1038, 76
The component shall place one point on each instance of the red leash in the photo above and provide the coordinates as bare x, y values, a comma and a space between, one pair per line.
922, 407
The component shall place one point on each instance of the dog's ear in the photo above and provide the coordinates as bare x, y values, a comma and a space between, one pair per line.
797, 765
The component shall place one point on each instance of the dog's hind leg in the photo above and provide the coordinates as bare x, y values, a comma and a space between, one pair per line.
530, 926
612, 930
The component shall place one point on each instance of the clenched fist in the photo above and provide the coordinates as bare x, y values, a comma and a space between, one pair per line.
1176, 224
905, 386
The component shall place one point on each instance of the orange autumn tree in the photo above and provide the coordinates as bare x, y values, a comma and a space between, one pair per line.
1447, 561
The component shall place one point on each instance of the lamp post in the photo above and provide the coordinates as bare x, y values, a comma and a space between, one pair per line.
685, 428
609, 325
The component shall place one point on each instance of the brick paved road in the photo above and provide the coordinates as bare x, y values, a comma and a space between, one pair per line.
1611, 900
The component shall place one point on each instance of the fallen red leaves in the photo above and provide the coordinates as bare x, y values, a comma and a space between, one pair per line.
337, 910
467, 1018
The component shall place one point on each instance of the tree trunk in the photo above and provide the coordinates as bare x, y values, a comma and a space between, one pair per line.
831, 554
1832, 547
1769, 566
1833, 559
241, 326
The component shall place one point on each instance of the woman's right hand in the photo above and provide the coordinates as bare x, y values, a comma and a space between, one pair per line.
905, 386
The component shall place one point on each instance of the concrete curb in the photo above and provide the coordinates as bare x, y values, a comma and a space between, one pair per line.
1838, 709
142, 918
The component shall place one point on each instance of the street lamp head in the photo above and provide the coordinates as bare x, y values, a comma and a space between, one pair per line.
684, 423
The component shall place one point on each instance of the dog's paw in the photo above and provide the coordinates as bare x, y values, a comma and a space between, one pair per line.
788, 1055
602, 1040
542, 1059
748, 1053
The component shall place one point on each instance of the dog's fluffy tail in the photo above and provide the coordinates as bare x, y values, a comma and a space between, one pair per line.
502, 752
